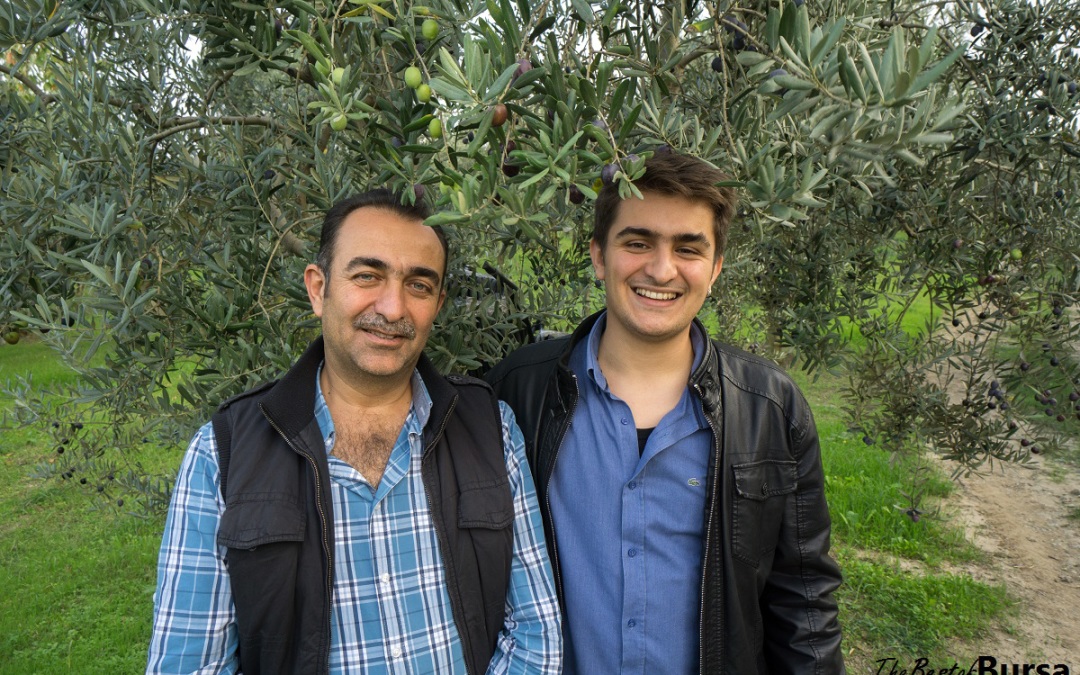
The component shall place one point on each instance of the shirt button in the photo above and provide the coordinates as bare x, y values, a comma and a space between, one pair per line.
624, 421
396, 652
632, 485
632, 552
385, 578
631, 623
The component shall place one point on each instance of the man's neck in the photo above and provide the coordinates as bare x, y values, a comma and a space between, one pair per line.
642, 359
365, 394
650, 377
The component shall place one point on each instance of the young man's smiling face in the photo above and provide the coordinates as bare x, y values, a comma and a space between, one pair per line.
658, 265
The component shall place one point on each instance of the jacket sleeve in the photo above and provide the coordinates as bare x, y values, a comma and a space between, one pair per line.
799, 612
194, 620
531, 639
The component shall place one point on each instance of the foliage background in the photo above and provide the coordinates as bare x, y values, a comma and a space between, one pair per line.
165, 164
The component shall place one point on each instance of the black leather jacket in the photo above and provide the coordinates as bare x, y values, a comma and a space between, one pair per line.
767, 602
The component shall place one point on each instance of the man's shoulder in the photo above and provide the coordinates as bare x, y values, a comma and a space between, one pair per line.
529, 359
251, 395
755, 374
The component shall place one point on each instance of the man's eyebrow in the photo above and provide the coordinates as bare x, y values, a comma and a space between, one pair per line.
362, 261
681, 238
425, 273
382, 266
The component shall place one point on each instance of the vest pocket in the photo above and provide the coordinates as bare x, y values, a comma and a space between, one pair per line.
758, 505
251, 523
487, 505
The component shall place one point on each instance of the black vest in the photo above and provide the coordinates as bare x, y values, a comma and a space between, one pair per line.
278, 519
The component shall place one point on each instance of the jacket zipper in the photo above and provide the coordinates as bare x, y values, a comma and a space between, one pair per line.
547, 491
322, 517
448, 569
708, 538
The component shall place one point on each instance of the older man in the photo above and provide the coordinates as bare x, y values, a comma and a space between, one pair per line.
363, 513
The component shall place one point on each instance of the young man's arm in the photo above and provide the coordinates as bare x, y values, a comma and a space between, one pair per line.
194, 618
531, 639
802, 634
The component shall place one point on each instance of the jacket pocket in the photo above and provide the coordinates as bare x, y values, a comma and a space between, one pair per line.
487, 505
758, 505
252, 523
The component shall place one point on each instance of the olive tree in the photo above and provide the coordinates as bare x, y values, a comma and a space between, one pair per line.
165, 165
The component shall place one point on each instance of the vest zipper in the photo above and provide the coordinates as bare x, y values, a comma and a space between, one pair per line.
452, 589
708, 537
322, 518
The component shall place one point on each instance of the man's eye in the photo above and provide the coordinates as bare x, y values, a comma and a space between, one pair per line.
421, 287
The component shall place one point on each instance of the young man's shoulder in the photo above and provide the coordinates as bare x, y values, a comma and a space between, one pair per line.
756, 374
528, 360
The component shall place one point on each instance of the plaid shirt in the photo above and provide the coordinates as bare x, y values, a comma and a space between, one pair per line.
391, 611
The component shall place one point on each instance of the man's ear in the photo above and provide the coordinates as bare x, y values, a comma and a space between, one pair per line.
596, 252
315, 281
442, 299
716, 269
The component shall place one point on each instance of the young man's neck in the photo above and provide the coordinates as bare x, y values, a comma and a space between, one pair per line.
639, 358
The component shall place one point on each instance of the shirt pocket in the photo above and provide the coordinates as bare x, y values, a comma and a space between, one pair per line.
759, 502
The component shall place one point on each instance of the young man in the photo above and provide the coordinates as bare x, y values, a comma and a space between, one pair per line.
363, 514
681, 479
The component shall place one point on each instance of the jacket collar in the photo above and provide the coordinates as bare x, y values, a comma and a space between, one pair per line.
705, 378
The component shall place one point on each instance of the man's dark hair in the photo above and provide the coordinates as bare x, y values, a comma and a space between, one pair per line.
669, 173
380, 198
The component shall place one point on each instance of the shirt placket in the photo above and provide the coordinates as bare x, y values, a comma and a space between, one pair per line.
633, 551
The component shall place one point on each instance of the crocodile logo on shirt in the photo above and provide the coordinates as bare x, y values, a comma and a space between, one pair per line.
693, 482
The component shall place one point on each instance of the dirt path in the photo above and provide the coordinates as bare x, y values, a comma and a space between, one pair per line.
1019, 515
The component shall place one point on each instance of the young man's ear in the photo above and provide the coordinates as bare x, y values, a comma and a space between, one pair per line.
315, 281
596, 253
716, 269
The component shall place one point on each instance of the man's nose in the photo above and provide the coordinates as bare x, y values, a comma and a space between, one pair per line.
661, 265
391, 301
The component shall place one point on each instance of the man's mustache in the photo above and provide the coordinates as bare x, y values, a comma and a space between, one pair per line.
376, 322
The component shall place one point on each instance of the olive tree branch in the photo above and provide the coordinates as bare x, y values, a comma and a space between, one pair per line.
30, 84
178, 124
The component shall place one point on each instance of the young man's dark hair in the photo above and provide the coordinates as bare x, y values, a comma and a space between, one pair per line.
381, 198
669, 173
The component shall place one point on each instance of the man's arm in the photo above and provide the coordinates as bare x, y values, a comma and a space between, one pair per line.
194, 618
802, 634
531, 639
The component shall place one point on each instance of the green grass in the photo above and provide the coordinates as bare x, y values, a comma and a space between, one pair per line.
906, 615
78, 580
884, 609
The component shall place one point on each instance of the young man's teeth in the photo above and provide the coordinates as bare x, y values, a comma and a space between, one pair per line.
653, 295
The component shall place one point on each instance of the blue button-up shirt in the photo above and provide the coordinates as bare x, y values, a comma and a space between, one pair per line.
630, 528
391, 611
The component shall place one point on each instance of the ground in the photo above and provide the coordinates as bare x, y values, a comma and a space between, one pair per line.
1023, 516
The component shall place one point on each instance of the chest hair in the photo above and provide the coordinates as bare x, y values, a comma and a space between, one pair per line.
366, 442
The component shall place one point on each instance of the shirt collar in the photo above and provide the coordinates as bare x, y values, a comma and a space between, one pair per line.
592, 350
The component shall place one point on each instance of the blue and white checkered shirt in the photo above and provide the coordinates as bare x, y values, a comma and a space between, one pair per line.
391, 611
